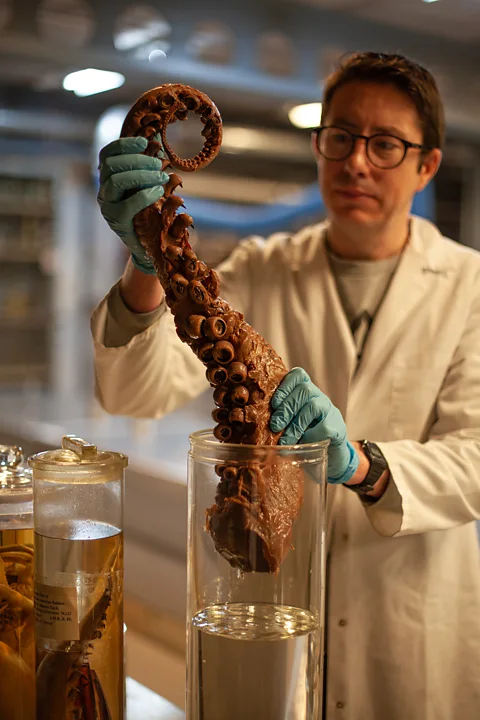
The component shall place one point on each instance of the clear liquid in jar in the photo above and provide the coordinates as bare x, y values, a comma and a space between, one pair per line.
254, 661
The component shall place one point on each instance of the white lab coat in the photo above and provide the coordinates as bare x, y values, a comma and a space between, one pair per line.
404, 585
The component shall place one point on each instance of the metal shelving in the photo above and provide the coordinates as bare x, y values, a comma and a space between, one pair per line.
26, 236
22, 210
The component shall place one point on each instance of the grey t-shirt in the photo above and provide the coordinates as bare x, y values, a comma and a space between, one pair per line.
361, 285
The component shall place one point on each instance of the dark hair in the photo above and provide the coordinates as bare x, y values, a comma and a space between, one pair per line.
409, 77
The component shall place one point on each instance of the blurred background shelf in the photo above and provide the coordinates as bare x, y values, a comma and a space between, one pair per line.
24, 210
14, 256
23, 375
26, 295
29, 323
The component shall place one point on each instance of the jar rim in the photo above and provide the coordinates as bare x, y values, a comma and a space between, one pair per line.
204, 443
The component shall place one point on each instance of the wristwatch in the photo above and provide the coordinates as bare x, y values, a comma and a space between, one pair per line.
378, 465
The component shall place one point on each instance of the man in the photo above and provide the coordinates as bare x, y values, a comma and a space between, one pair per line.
382, 313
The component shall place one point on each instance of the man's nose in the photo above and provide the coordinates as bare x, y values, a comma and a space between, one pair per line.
358, 161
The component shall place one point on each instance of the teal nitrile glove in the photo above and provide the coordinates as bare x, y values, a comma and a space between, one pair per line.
124, 168
306, 415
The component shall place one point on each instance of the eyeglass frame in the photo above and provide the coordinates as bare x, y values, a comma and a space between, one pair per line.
356, 136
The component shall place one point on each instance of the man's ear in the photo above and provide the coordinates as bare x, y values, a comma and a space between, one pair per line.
429, 168
313, 144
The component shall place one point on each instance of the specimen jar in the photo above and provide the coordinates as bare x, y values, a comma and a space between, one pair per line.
256, 580
17, 620
78, 522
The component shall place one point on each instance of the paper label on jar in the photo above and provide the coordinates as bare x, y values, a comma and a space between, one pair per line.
56, 612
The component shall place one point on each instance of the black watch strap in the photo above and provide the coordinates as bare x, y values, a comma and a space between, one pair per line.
378, 465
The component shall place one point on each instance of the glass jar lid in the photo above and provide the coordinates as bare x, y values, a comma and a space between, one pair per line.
15, 477
77, 453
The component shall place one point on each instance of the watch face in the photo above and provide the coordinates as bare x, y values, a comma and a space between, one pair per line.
377, 461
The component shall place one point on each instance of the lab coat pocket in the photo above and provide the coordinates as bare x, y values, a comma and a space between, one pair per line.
415, 388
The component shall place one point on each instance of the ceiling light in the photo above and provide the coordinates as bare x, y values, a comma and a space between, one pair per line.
305, 116
141, 26
429, 1
91, 81
238, 138
157, 55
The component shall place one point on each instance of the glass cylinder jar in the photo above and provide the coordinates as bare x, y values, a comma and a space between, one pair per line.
256, 572
17, 644
78, 520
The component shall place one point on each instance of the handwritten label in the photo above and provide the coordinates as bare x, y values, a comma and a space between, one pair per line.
56, 612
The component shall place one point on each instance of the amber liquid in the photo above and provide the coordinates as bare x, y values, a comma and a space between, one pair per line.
17, 644
80, 670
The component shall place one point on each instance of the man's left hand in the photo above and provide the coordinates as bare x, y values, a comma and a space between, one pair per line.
307, 415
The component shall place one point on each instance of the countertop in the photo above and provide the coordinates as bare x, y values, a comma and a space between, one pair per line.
143, 704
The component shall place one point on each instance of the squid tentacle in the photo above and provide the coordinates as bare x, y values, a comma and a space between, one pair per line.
241, 366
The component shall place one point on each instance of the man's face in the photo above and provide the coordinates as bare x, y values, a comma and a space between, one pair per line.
357, 194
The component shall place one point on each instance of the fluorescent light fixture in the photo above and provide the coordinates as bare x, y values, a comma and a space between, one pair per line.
429, 1
91, 81
305, 116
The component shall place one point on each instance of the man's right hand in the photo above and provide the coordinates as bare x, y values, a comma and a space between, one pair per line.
123, 168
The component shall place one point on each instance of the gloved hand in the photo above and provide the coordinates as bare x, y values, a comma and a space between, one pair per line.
123, 168
306, 415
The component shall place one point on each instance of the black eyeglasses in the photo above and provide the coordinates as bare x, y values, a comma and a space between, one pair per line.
383, 151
